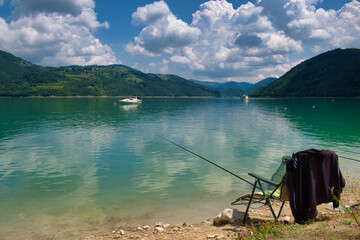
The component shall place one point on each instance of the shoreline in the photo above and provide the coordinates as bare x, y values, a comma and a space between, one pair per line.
90, 96
331, 220
116, 96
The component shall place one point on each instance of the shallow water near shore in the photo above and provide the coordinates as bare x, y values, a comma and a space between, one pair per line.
70, 167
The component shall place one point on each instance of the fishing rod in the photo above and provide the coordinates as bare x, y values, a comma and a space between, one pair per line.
350, 158
207, 160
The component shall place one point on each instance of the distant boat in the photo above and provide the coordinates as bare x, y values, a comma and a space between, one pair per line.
132, 100
245, 97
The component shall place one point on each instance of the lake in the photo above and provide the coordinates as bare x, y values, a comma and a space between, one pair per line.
70, 167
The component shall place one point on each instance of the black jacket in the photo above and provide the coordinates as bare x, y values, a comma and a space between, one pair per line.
310, 176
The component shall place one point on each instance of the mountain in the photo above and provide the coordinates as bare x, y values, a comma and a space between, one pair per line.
235, 88
11, 65
263, 83
21, 78
334, 73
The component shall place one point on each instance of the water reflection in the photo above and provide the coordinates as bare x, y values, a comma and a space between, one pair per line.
49, 172
324, 118
235, 136
322, 124
129, 107
19, 115
99, 162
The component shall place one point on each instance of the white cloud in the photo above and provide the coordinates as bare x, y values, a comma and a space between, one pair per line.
277, 42
60, 33
88, 19
235, 42
138, 51
220, 42
300, 20
162, 66
347, 22
249, 42
163, 33
180, 59
150, 13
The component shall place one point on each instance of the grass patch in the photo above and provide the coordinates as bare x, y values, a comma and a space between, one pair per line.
271, 230
346, 222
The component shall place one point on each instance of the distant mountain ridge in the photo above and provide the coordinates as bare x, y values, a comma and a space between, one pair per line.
233, 88
334, 73
19, 77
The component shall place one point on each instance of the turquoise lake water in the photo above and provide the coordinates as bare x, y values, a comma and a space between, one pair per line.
70, 167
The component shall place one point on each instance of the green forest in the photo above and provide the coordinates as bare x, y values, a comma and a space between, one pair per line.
21, 78
334, 73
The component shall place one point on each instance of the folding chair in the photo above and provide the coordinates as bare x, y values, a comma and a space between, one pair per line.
273, 192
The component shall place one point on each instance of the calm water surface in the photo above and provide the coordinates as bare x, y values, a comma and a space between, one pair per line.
74, 166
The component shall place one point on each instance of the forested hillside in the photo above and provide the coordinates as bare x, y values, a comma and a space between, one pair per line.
11, 65
21, 78
332, 74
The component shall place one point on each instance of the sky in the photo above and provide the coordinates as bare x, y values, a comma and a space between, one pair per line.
216, 40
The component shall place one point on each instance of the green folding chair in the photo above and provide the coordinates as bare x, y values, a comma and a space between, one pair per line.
270, 190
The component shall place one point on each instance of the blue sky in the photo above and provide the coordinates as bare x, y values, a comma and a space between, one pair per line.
218, 40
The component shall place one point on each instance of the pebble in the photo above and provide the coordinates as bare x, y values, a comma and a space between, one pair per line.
146, 227
166, 225
286, 219
140, 229
122, 232
216, 236
207, 221
159, 229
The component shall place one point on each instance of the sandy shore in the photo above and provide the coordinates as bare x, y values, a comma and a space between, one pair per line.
206, 230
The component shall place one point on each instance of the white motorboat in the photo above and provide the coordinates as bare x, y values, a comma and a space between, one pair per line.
245, 97
132, 100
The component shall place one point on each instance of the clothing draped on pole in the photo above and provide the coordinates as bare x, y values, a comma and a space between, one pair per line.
311, 174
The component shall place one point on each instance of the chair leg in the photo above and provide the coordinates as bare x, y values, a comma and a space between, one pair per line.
272, 210
267, 202
281, 208
251, 197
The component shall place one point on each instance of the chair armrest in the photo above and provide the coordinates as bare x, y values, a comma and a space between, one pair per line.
268, 181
